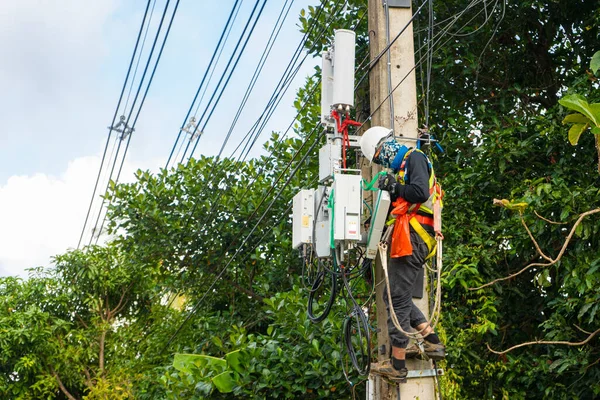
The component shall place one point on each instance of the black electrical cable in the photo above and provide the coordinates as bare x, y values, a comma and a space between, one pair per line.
363, 365
141, 102
208, 68
137, 64
439, 36
285, 78
222, 91
361, 362
275, 198
286, 84
265, 55
195, 205
262, 217
312, 294
210, 213
227, 74
113, 121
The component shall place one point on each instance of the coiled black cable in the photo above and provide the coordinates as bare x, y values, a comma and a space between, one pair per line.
312, 296
361, 359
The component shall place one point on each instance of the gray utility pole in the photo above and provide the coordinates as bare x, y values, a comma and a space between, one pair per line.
386, 19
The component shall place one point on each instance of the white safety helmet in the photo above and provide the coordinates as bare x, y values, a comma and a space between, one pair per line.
371, 139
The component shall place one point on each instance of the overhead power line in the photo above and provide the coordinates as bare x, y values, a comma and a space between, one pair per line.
254, 133
275, 198
141, 105
226, 75
199, 303
137, 42
211, 66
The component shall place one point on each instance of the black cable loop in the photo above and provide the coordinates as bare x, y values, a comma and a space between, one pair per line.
319, 281
363, 366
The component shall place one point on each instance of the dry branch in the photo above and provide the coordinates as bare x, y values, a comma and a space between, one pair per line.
547, 220
552, 261
558, 342
62, 386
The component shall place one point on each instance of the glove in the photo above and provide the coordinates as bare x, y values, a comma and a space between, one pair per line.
389, 183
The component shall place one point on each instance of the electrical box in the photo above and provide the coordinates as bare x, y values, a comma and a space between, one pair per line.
303, 215
322, 222
347, 193
326, 89
344, 58
330, 159
378, 219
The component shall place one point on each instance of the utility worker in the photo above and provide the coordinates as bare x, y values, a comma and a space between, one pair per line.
412, 182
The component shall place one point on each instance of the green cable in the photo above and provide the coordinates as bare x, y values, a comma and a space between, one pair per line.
330, 204
368, 207
371, 185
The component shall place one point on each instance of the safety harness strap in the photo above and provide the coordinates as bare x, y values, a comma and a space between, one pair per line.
427, 238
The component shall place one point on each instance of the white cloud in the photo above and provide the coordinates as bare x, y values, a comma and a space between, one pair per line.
42, 215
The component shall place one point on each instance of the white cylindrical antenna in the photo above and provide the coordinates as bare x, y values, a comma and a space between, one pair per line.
326, 88
344, 54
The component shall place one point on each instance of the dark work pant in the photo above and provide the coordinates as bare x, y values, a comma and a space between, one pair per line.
403, 273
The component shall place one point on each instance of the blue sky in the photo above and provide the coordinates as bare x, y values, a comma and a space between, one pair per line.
63, 67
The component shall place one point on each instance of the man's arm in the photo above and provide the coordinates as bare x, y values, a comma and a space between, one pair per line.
417, 188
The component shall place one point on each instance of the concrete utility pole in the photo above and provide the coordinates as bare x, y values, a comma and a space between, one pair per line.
386, 19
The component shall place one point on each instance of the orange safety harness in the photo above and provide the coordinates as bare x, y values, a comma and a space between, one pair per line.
405, 215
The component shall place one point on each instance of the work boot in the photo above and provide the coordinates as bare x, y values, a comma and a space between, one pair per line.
426, 350
386, 369
412, 351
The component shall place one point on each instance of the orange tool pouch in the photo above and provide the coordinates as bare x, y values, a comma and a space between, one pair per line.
401, 245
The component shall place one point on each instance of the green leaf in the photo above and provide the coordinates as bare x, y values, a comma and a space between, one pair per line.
184, 362
578, 103
595, 64
576, 119
575, 132
224, 382
596, 130
234, 359
315, 344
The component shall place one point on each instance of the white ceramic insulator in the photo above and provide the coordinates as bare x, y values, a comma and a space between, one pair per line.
326, 88
343, 68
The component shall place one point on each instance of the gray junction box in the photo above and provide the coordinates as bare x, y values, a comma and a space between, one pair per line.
378, 219
303, 218
347, 194
330, 160
322, 223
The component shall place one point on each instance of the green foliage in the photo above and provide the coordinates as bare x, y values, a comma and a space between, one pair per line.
588, 115
494, 103
595, 63
290, 358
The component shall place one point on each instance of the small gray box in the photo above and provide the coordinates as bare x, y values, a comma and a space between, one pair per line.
322, 223
330, 159
378, 219
303, 215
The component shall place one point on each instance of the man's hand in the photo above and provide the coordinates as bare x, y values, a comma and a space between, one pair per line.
389, 183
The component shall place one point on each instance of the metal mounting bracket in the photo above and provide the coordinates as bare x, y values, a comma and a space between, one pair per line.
397, 3
425, 373
354, 139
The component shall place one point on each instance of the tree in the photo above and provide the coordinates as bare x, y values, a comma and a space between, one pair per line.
68, 329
